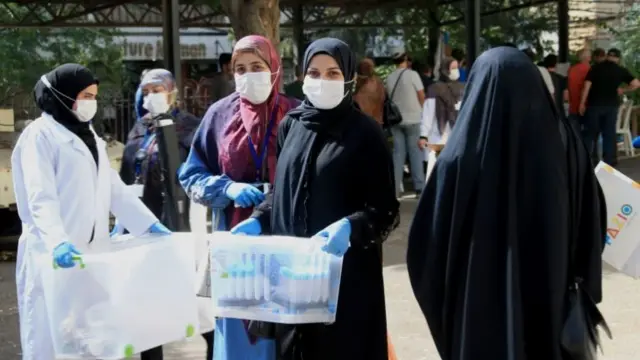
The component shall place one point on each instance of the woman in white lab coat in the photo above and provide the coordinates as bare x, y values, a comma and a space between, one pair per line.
64, 190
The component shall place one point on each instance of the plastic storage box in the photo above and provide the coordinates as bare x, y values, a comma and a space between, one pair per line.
134, 296
274, 278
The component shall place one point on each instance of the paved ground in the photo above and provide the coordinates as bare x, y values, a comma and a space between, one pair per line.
407, 327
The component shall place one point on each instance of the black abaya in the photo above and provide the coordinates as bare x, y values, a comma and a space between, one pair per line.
489, 245
334, 164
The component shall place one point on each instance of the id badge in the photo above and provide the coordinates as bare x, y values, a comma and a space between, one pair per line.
137, 189
457, 106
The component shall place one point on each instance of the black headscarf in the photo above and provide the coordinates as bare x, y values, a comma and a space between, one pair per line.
489, 247
328, 120
68, 80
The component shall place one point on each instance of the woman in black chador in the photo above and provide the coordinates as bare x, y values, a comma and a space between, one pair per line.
511, 215
334, 179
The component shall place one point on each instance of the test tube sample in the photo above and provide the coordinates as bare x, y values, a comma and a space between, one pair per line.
326, 277
258, 281
267, 277
239, 284
317, 282
249, 272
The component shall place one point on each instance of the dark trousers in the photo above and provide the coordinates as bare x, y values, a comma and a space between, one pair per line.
601, 120
156, 353
576, 121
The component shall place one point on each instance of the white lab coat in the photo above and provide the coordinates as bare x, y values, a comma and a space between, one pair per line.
429, 129
61, 195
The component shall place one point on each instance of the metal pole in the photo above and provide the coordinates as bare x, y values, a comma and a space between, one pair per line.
175, 200
171, 39
563, 31
472, 22
298, 31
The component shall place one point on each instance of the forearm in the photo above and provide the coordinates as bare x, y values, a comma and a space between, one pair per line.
201, 185
208, 190
372, 226
128, 208
585, 93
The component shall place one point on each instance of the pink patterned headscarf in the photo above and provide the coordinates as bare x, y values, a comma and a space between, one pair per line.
255, 117
248, 119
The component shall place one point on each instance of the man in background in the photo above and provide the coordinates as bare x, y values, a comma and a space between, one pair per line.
426, 73
405, 89
550, 63
599, 55
223, 83
575, 84
294, 89
601, 93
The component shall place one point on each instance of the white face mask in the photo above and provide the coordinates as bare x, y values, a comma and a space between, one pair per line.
454, 74
156, 103
254, 86
324, 94
86, 109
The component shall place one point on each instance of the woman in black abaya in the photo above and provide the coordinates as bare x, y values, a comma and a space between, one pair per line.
489, 247
334, 179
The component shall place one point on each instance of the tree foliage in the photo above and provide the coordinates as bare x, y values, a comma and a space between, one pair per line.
627, 39
27, 53
257, 17
519, 26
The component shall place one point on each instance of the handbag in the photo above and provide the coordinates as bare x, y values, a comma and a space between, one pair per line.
391, 115
580, 338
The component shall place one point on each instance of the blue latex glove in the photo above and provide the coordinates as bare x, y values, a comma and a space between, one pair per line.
118, 229
337, 236
636, 142
158, 228
244, 195
251, 226
64, 254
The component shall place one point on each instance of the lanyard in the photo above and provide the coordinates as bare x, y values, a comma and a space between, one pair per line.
259, 159
146, 149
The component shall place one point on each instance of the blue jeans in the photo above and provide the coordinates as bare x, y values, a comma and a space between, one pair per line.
405, 140
601, 120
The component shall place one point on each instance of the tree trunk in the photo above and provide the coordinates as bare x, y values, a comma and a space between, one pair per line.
254, 17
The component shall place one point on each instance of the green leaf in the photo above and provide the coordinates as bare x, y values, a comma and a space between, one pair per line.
28, 53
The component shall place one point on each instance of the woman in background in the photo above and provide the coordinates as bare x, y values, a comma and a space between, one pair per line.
369, 93
440, 111
140, 167
334, 180
511, 217
232, 162
140, 163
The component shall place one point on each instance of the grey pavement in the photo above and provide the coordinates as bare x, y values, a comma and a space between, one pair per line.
407, 327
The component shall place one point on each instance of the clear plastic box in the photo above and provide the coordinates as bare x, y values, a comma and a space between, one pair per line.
129, 297
278, 279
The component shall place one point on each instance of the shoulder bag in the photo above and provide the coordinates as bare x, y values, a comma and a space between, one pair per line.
391, 114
